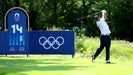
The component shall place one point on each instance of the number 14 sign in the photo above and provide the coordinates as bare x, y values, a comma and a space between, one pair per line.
16, 20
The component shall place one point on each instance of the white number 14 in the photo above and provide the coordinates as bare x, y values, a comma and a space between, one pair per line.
16, 27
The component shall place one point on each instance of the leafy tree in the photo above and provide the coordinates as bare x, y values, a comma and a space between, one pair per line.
1, 22
122, 13
64, 13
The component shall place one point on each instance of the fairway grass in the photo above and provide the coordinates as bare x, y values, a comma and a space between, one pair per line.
62, 65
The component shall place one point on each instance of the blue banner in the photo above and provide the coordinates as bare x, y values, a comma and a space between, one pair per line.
4, 46
41, 42
51, 42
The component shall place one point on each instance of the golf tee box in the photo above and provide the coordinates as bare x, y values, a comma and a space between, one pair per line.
17, 39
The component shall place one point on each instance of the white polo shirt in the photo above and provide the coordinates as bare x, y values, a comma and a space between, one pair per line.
103, 26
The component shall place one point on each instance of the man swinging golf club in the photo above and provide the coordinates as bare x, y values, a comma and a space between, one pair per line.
105, 39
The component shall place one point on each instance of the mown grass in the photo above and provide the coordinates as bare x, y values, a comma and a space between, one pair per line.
121, 58
58, 65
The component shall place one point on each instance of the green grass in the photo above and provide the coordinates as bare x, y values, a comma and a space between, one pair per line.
62, 65
121, 57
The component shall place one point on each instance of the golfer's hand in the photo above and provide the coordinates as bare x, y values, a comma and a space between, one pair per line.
103, 11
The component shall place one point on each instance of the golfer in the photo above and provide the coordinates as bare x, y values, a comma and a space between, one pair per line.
105, 39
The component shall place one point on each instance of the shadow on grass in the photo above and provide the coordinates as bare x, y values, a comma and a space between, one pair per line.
105, 63
21, 65
110, 63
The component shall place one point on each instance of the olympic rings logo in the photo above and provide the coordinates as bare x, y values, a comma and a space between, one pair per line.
51, 42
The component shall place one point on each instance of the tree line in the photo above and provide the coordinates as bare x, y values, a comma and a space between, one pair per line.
65, 14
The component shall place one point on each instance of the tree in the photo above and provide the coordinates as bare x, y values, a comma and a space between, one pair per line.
17, 3
84, 12
122, 19
55, 12
64, 13
1, 14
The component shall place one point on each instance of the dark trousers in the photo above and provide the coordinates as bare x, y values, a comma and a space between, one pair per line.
105, 41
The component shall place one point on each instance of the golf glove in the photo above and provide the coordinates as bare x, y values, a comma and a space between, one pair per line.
103, 11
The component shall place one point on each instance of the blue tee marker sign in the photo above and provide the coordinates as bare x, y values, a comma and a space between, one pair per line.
17, 28
17, 21
19, 40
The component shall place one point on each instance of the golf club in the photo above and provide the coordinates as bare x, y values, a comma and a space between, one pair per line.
88, 15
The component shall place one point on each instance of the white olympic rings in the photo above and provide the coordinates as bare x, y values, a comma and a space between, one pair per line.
51, 42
